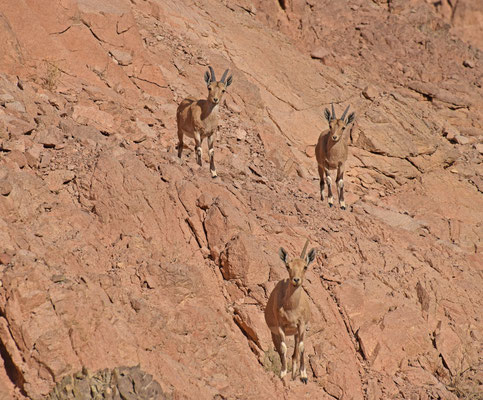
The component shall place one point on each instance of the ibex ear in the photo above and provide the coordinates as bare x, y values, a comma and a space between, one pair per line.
327, 114
310, 257
229, 80
283, 254
207, 78
350, 118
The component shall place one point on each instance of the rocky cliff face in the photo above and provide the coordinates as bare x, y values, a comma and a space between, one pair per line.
113, 252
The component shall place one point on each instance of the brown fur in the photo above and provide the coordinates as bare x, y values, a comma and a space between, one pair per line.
198, 119
331, 153
288, 312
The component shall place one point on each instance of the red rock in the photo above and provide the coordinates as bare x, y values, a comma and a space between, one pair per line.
320, 53
242, 259
122, 57
370, 92
6, 98
51, 137
449, 345
460, 139
91, 115
17, 157
5, 187
123, 264
56, 179
5, 259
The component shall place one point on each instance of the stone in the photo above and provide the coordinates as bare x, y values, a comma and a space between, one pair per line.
370, 92
5, 187
460, 139
123, 58
449, 345
6, 98
5, 259
243, 260
91, 115
15, 106
320, 53
19, 127
451, 133
56, 179
240, 134
50, 137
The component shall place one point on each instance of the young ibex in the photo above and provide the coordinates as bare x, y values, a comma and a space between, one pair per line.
288, 311
331, 153
199, 118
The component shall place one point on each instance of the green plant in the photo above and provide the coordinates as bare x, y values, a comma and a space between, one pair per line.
271, 361
52, 75
464, 386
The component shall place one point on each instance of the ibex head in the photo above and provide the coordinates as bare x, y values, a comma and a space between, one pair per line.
337, 126
216, 89
297, 266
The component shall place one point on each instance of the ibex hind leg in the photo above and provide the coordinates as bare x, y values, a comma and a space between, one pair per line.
340, 186
295, 356
198, 151
211, 152
328, 179
281, 347
303, 371
180, 142
322, 182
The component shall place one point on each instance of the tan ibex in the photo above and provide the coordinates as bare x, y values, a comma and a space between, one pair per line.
288, 311
331, 153
198, 119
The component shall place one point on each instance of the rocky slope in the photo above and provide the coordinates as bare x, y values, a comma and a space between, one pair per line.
113, 252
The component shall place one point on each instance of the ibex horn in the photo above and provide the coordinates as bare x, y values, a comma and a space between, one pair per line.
345, 112
302, 256
333, 112
213, 79
224, 76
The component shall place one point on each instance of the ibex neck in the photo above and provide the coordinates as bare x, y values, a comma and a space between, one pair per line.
292, 295
209, 107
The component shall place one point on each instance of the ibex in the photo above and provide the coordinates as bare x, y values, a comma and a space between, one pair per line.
199, 118
288, 312
331, 153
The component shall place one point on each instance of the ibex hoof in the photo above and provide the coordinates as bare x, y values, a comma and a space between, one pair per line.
214, 174
342, 207
330, 204
304, 380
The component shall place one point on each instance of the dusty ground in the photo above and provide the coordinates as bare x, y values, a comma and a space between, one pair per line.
113, 252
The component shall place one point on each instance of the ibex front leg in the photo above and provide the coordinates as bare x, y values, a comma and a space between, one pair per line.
303, 371
180, 142
340, 185
329, 187
211, 152
283, 352
295, 356
322, 182
198, 146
